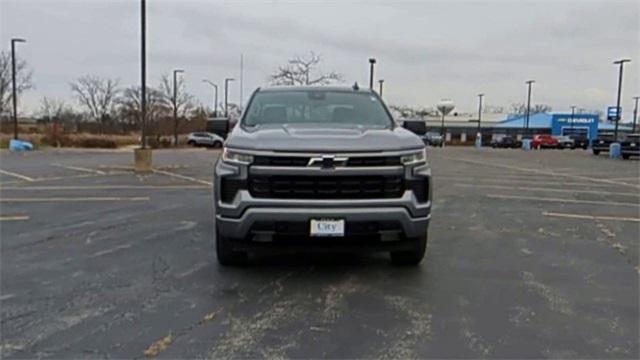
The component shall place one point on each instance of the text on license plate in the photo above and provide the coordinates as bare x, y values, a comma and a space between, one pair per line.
327, 227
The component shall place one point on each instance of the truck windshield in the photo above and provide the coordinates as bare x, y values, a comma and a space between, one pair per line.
316, 106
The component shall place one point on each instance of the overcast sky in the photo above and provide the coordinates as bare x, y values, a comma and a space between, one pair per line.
426, 50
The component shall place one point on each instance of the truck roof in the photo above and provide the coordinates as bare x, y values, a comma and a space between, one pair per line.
315, 88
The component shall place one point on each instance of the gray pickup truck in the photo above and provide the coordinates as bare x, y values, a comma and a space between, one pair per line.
321, 168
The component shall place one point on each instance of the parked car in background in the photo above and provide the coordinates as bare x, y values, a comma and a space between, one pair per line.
205, 139
566, 142
544, 141
506, 142
580, 141
630, 146
601, 143
433, 139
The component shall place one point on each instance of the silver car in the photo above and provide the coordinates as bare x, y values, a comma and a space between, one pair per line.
205, 139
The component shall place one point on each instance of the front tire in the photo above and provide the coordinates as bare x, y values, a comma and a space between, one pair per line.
596, 152
192, 143
411, 257
226, 255
626, 156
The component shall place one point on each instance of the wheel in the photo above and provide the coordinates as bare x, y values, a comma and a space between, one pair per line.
411, 257
626, 156
596, 152
493, 146
192, 143
217, 144
226, 255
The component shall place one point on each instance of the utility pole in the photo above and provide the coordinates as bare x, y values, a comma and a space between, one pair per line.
215, 100
241, 80
175, 106
635, 115
618, 110
372, 62
143, 73
14, 96
226, 97
528, 82
381, 81
573, 114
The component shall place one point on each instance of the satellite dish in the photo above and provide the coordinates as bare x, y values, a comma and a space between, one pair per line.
445, 106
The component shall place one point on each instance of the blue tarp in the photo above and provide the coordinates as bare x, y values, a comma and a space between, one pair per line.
20, 145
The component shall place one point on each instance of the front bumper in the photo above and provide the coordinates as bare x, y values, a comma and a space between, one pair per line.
240, 217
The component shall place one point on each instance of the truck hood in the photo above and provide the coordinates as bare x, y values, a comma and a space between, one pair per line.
320, 138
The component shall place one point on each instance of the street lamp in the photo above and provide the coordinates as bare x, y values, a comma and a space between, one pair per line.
381, 81
13, 84
226, 98
175, 105
372, 62
573, 114
635, 114
618, 112
528, 82
215, 101
143, 73
479, 110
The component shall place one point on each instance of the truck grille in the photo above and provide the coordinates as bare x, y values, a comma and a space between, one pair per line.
334, 187
353, 161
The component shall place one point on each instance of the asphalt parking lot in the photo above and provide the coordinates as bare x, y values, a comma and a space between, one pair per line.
530, 255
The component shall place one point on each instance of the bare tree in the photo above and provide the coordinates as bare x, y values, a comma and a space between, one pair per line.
23, 80
521, 109
303, 71
182, 105
52, 109
129, 106
96, 95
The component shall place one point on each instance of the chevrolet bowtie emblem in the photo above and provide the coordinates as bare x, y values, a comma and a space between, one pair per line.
327, 161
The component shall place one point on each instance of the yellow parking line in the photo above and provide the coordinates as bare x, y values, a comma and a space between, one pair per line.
525, 188
22, 177
78, 199
559, 200
14, 218
590, 217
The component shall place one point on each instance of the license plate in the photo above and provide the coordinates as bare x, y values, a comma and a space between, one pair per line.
327, 227
601, 142
633, 144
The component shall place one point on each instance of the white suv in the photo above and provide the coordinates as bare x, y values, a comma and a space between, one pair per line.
205, 139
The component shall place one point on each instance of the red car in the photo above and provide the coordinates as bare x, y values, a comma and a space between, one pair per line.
544, 141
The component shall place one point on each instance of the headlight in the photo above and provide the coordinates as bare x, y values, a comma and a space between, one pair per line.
419, 157
231, 156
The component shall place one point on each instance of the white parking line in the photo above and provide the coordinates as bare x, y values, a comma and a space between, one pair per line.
78, 199
559, 200
102, 187
183, 177
14, 218
543, 172
78, 168
500, 180
527, 188
22, 177
590, 217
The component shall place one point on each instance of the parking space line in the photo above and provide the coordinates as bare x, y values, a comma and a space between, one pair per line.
81, 169
590, 217
560, 200
22, 177
102, 187
183, 177
14, 218
543, 172
78, 199
523, 188
525, 182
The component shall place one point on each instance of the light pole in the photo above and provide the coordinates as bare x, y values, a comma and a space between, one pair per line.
175, 105
528, 82
573, 114
618, 110
215, 101
380, 82
143, 73
479, 111
226, 97
14, 96
635, 114
372, 62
